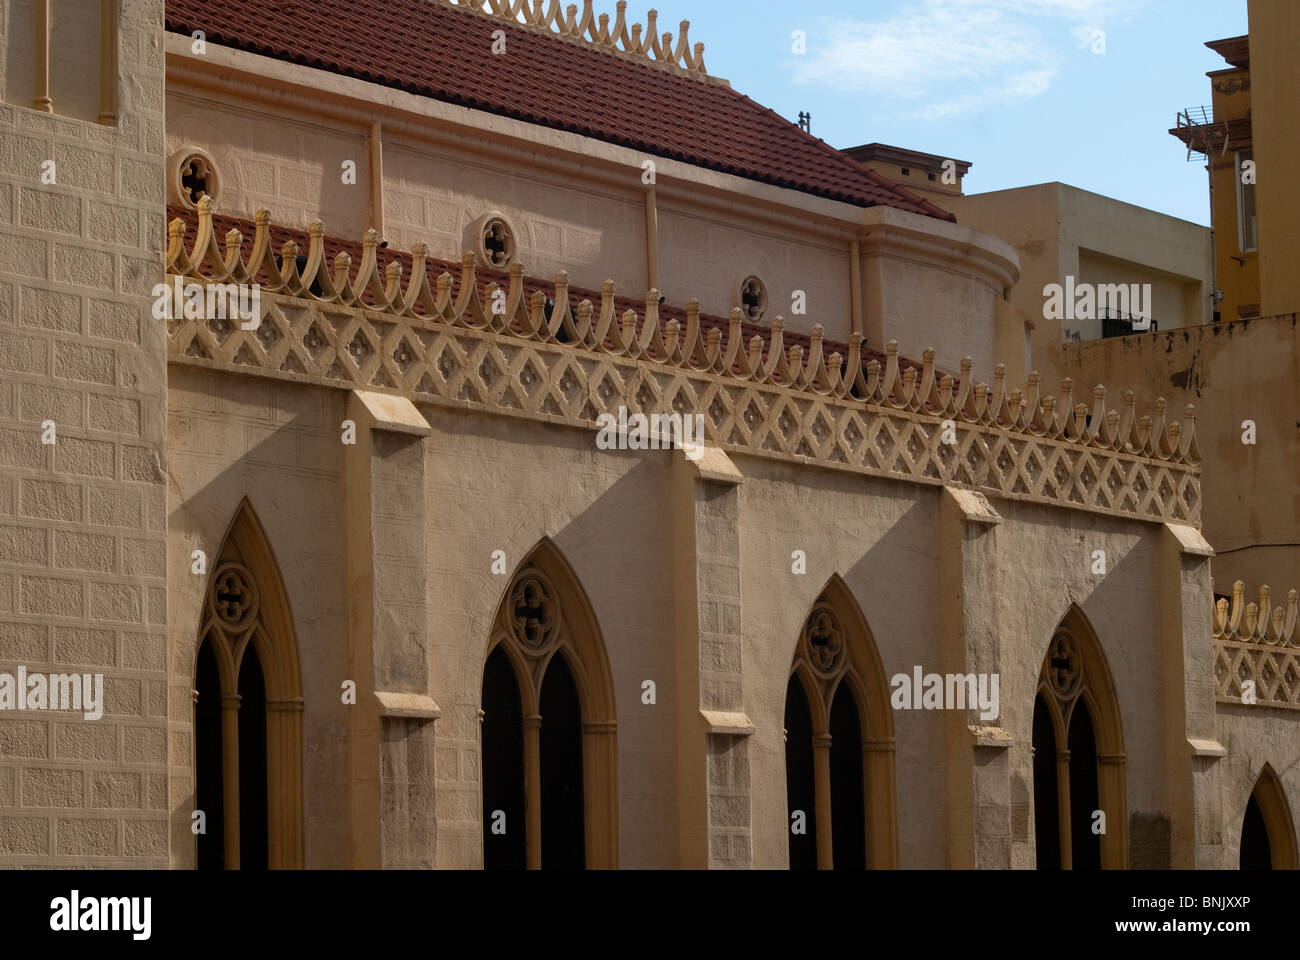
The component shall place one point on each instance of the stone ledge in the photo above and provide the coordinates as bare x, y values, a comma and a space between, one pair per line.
393, 414
1190, 540
988, 736
974, 506
728, 723
1207, 748
411, 705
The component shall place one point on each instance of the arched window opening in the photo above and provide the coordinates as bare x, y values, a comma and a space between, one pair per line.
1047, 844
839, 743
1255, 854
561, 736
548, 730
253, 810
847, 799
799, 791
1080, 808
1084, 822
207, 753
1268, 839
248, 711
503, 766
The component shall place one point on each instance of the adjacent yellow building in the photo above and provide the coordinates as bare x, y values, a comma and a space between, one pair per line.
1249, 140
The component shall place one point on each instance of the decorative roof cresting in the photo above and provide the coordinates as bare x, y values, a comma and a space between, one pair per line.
599, 330
1252, 622
397, 327
596, 30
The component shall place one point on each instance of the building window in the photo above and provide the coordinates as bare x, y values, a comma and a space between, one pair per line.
547, 727
1268, 840
1246, 237
752, 298
193, 176
838, 743
1078, 756
497, 242
248, 712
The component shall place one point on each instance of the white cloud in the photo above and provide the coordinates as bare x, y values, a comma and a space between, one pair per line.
943, 57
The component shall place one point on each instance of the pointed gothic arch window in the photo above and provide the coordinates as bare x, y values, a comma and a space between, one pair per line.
1268, 840
248, 710
800, 794
548, 729
839, 742
1078, 746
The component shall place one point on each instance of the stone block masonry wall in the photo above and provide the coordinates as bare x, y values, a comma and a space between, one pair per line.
82, 520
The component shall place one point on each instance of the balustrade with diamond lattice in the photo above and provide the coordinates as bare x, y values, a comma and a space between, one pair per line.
360, 327
1252, 646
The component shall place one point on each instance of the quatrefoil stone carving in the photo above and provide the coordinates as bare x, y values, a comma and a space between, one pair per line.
533, 613
232, 596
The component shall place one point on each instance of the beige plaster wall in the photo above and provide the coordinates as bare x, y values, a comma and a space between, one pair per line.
925, 305
605, 511
1028, 219
591, 225
17, 20
74, 56
277, 445
501, 484
292, 166
289, 165
594, 232
704, 256
1154, 243
883, 540
1171, 296
497, 483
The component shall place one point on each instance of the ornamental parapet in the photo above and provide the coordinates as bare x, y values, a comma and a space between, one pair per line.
487, 346
596, 30
1256, 650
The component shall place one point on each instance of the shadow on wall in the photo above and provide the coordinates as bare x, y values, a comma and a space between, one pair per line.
268, 470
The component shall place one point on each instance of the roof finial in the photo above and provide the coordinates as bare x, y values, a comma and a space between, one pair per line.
644, 43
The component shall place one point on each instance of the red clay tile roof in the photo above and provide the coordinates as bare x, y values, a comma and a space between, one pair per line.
221, 225
434, 50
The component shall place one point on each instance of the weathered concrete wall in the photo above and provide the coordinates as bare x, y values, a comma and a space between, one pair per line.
82, 565
1255, 736
1232, 372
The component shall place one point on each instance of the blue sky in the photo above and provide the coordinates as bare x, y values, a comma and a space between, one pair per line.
1013, 86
